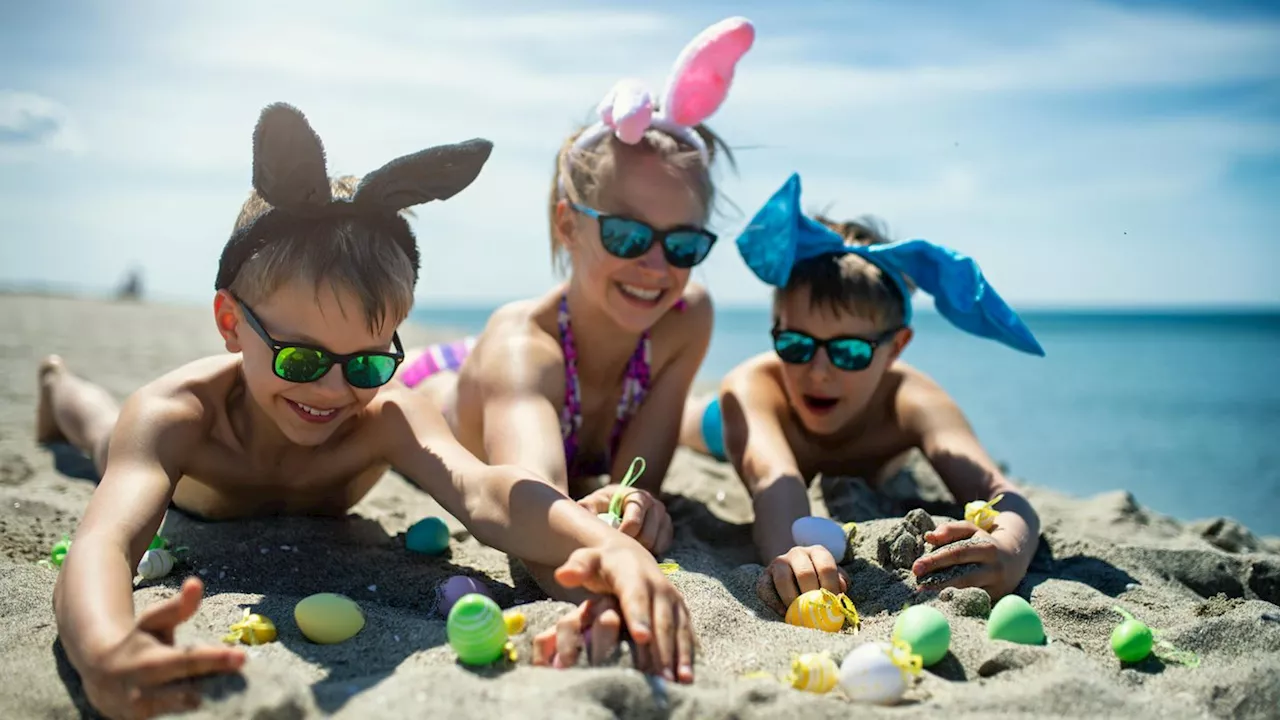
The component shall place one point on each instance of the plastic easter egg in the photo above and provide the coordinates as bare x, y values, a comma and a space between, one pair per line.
812, 530
158, 543
983, 513
429, 535
253, 629
476, 630
813, 672
926, 631
822, 610
155, 564
328, 618
454, 588
610, 519
1132, 640
59, 552
1013, 619
515, 622
869, 674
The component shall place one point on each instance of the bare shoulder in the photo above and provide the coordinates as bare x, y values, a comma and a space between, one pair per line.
919, 401
518, 347
696, 317
176, 410
756, 380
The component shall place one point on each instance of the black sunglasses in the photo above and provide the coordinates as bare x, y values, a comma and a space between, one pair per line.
299, 363
684, 247
846, 352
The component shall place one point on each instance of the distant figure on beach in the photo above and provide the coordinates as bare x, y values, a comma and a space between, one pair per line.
300, 418
579, 382
834, 397
131, 289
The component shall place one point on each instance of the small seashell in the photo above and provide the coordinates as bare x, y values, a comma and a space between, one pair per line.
878, 672
155, 564
982, 512
813, 672
822, 609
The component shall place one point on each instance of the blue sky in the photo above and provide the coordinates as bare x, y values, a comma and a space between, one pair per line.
1085, 153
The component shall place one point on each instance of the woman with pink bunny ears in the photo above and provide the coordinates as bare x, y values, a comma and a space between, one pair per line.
579, 382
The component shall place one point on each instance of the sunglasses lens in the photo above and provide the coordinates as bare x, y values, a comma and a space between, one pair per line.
686, 248
370, 371
301, 364
850, 354
793, 347
625, 238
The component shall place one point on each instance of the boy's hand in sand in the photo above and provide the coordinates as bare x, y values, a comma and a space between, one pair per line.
992, 561
595, 625
653, 611
143, 674
798, 571
644, 517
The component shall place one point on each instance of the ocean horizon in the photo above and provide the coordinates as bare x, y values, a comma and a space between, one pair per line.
1178, 405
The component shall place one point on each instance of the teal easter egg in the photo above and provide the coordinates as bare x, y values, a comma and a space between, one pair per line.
926, 630
429, 535
476, 629
1014, 619
1131, 641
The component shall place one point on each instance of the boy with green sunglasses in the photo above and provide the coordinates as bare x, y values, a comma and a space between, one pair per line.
302, 418
834, 397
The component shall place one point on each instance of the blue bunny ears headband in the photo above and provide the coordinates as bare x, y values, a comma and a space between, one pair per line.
781, 235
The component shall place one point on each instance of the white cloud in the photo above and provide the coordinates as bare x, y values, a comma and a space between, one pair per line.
1025, 143
30, 123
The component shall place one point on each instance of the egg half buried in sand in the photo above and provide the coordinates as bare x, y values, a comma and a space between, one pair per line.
476, 630
328, 618
454, 588
1132, 640
926, 631
822, 610
829, 534
429, 536
155, 563
878, 672
813, 672
1013, 619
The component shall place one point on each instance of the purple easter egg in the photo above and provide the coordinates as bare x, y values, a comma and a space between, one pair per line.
454, 588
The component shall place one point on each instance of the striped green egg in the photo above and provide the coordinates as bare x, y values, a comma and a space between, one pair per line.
476, 629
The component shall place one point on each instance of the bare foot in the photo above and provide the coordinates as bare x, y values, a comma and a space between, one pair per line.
51, 369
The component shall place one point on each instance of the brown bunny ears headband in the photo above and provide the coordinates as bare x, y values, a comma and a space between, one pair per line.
289, 174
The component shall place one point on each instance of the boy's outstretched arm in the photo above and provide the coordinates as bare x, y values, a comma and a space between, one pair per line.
527, 517
1002, 555
757, 446
129, 666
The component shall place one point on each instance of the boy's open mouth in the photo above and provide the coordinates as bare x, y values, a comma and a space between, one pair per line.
820, 404
312, 414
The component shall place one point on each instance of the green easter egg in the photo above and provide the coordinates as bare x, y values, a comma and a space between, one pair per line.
926, 630
476, 629
429, 535
1014, 619
59, 552
328, 618
1131, 641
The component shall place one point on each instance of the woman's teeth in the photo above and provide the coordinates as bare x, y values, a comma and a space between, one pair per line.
639, 292
315, 411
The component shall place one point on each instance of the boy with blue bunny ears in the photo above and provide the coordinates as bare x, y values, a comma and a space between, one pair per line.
834, 397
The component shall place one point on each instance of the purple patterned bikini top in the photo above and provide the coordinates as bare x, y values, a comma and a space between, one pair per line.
635, 386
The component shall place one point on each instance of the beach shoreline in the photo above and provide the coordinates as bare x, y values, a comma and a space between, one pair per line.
1205, 585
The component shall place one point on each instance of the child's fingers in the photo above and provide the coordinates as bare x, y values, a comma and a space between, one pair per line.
828, 572
154, 701
569, 637
664, 637
803, 567
582, 569
950, 532
959, 553
544, 646
635, 508
605, 632
665, 535
166, 664
652, 526
784, 581
163, 616
684, 645
635, 598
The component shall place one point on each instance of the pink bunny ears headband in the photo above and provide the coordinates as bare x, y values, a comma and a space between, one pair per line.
696, 88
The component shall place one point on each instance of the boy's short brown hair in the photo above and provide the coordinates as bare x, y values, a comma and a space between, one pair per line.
848, 283
346, 253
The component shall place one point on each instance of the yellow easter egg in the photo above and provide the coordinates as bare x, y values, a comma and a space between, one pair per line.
515, 621
253, 629
813, 672
822, 610
328, 618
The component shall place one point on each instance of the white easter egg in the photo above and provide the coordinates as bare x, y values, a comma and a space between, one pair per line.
611, 520
869, 675
812, 530
155, 563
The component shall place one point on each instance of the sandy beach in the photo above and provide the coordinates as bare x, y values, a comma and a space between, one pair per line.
1210, 587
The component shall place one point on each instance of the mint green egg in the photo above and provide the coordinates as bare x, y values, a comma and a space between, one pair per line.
926, 630
1013, 619
476, 629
